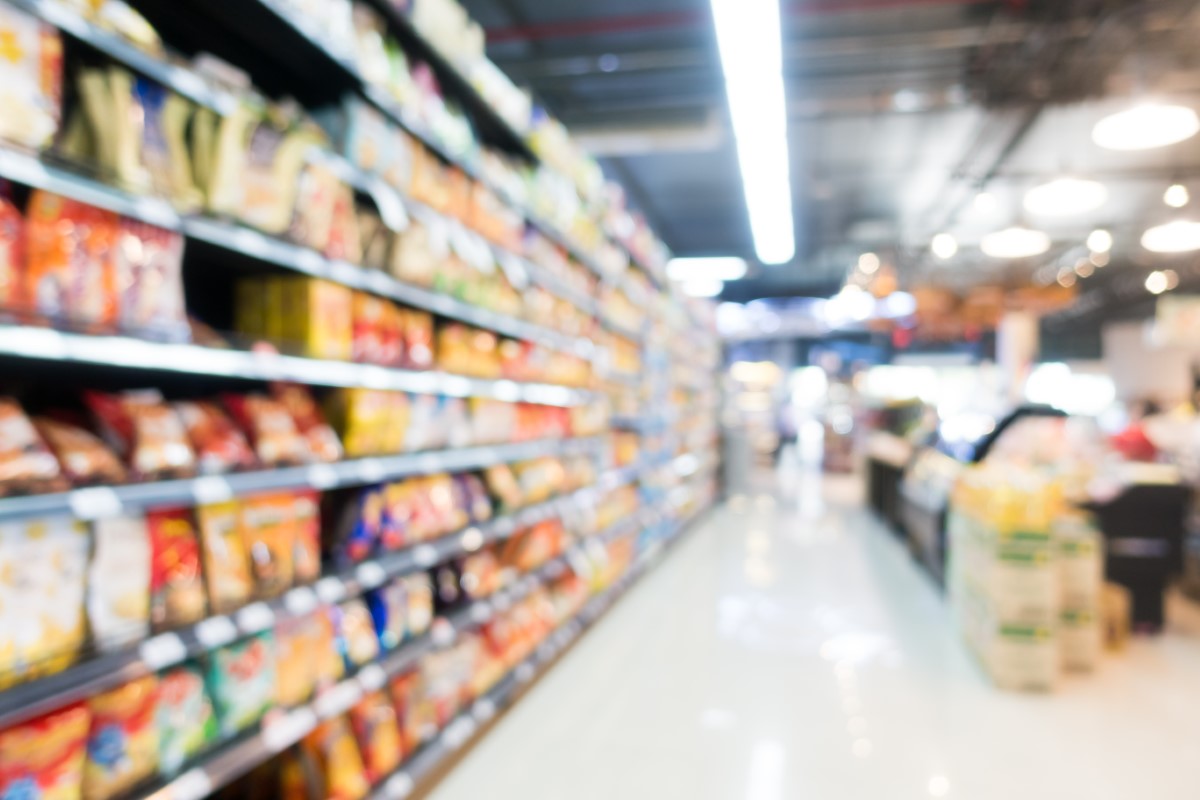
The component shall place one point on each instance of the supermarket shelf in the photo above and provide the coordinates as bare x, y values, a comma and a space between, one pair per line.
455, 84
460, 731
100, 502
165, 650
177, 78
125, 352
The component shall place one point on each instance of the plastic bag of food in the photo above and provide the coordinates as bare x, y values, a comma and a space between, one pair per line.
219, 445
26, 464
84, 457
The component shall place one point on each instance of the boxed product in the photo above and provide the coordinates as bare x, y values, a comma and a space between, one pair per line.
185, 720
317, 317
30, 79
119, 582
241, 682
369, 421
43, 576
122, 748
44, 758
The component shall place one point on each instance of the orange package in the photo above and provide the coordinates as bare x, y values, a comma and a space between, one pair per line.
44, 758
333, 750
306, 519
71, 261
12, 252
271, 429
269, 533
323, 442
377, 729
370, 319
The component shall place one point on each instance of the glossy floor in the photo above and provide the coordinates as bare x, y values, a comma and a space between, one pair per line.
789, 648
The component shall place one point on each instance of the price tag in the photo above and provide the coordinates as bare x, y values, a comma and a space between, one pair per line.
425, 556
255, 617
346, 274
443, 633
97, 502
370, 574
504, 526
372, 678
484, 710
399, 786
429, 463
472, 540
216, 632
191, 785
545, 652
309, 261
524, 672
379, 282
338, 700
330, 590
371, 470
164, 650
289, 729
322, 476
212, 489
501, 602
300, 601
481, 612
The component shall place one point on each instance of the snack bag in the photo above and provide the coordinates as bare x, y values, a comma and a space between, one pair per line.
226, 561
176, 587
296, 660
12, 253
345, 239
145, 431
26, 464
70, 268
332, 747
185, 720
389, 612
43, 575
327, 660
219, 445
241, 681
43, 758
503, 485
31, 77
149, 275
268, 530
419, 591
323, 443
377, 729
118, 593
313, 217
357, 641
122, 748
478, 504
306, 522
370, 313
271, 428
418, 722
85, 459
418, 339
362, 526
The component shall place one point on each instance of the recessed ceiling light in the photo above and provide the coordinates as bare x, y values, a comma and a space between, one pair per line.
868, 263
1146, 127
750, 41
1180, 236
1161, 281
1099, 241
703, 287
944, 246
714, 268
1015, 242
1065, 196
984, 202
1177, 196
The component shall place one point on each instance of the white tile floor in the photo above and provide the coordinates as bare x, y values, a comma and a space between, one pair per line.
788, 648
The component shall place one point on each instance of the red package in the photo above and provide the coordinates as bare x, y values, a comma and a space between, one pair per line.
26, 464
323, 442
418, 339
70, 269
271, 428
12, 253
84, 458
219, 445
370, 319
145, 431
176, 585
44, 758
149, 279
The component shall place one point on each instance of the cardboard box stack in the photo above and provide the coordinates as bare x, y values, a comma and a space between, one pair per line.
1025, 577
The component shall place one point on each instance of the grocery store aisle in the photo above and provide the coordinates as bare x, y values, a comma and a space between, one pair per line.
788, 648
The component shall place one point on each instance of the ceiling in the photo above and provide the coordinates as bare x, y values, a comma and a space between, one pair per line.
899, 112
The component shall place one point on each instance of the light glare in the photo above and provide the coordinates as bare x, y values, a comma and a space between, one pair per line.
717, 268
1177, 196
1100, 241
1065, 196
703, 287
1146, 127
1180, 236
944, 246
1015, 243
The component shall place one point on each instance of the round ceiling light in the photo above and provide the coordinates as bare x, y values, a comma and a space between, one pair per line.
1180, 236
1065, 196
1177, 196
1015, 243
1099, 241
1146, 127
944, 246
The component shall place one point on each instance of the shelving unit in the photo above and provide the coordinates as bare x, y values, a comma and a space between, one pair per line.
648, 493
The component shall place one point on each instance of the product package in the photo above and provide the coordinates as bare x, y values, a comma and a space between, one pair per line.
12, 253
389, 611
42, 619
31, 77
122, 748
226, 561
26, 464
219, 445
269, 533
145, 431
418, 720
271, 429
149, 278
362, 525
119, 577
328, 662
296, 660
306, 522
85, 459
419, 591
377, 729
70, 268
185, 720
44, 758
333, 749
241, 681
357, 640
323, 443
177, 595
370, 421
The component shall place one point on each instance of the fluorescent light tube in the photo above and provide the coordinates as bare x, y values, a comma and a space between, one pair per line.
748, 33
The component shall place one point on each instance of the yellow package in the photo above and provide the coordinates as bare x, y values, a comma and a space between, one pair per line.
318, 317
122, 748
250, 307
226, 562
